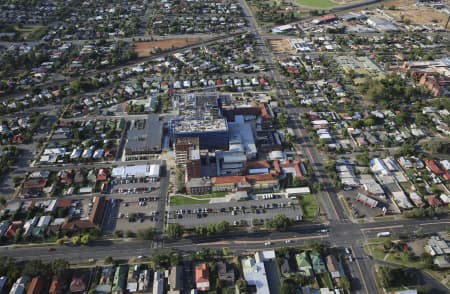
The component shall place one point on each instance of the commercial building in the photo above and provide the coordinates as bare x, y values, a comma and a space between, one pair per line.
198, 186
241, 137
382, 24
230, 163
212, 132
98, 210
143, 138
151, 171
184, 146
324, 19
200, 116
187, 153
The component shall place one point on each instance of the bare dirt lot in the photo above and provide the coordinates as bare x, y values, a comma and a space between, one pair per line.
280, 45
144, 49
407, 9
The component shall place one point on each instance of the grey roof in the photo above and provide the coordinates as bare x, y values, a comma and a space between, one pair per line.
145, 138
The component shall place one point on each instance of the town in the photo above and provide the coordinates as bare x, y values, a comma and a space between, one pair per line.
226, 146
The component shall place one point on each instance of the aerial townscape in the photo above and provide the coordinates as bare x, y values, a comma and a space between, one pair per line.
225, 146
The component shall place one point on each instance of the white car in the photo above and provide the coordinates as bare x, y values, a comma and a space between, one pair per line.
267, 243
288, 241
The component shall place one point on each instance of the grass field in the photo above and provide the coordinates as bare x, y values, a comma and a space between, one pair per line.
377, 251
310, 207
317, 3
195, 199
31, 31
182, 200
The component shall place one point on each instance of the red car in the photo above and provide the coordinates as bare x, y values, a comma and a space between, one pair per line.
50, 249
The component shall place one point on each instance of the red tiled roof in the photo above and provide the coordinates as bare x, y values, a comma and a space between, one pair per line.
433, 166
294, 164
63, 203
36, 285
447, 175
260, 177
56, 286
35, 183
201, 273
78, 225
434, 201
264, 113
258, 164
228, 180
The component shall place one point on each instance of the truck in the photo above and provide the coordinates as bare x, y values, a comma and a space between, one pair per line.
383, 234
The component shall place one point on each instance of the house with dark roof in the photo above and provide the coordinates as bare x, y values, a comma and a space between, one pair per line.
285, 267
226, 273
317, 262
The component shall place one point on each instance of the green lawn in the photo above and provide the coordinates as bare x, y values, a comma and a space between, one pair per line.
317, 3
181, 200
198, 199
377, 252
310, 207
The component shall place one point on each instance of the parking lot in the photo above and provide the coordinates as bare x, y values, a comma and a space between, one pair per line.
138, 212
134, 186
236, 213
361, 210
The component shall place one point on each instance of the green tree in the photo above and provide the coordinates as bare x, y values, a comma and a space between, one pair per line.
288, 286
86, 239
130, 234
59, 266
146, 234
226, 251
108, 260
76, 240
242, 285
60, 242
280, 222
427, 260
175, 231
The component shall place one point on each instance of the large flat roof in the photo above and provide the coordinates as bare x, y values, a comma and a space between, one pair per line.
145, 134
146, 170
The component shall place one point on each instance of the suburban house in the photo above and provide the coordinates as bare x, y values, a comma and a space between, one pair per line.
202, 277
303, 265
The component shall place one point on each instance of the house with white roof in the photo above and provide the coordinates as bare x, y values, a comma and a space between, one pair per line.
255, 273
